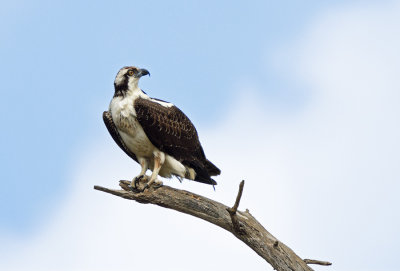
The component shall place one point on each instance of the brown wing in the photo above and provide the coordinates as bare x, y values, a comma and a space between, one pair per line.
112, 129
169, 129
172, 132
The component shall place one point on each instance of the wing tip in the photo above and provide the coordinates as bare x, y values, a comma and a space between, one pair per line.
212, 169
106, 115
205, 180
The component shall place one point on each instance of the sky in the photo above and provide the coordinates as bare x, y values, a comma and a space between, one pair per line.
299, 99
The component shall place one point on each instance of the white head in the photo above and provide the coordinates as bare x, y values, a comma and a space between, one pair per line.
127, 79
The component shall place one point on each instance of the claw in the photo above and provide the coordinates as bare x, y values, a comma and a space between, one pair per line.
134, 189
157, 185
137, 180
135, 184
138, 190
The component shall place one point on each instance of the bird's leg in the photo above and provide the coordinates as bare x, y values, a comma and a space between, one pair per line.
135, 182
159, 159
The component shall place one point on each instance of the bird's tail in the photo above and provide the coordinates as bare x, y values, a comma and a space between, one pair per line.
201, 172
205, 179
211, 168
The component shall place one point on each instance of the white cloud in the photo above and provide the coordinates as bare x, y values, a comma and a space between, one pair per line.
325, 181
97, 231
345, 152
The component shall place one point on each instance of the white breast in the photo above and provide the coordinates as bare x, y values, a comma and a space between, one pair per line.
124, 117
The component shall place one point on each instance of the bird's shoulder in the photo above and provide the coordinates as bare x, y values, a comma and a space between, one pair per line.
169, 129
162, 113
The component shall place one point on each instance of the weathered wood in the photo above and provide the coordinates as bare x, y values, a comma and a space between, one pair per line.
309, 261
241, 224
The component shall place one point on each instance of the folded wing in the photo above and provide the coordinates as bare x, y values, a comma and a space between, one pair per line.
112, 129
172, 132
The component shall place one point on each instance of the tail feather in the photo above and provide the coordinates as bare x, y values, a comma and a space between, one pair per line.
211, 168
206, 180
202, 174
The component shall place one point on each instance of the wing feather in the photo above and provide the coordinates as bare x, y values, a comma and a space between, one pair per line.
172, 132
169, 129
112, 129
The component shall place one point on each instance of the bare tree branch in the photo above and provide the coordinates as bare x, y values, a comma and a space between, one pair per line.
241, 224
232, 211
308, 261
238, 197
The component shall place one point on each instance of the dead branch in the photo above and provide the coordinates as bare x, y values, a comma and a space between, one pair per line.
241, 224
308, 261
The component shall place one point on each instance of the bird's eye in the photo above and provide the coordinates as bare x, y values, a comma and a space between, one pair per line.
130, 72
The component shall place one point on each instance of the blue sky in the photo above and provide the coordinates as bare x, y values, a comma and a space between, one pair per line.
59, 60
317, 78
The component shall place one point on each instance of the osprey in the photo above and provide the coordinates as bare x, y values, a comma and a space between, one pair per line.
155, 133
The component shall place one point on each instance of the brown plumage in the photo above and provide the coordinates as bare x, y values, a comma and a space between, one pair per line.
112, 129
172, 132
154, 133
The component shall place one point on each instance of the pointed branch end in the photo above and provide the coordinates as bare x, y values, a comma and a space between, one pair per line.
233, 210
124, 184
309, 261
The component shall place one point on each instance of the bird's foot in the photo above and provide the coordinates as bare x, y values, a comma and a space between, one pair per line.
137, 180
135, 184
137, 189
134, 189
155, 184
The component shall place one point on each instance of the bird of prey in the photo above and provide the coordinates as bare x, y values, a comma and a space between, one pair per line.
155, 133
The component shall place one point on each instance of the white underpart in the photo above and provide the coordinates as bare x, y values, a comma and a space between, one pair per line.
133, 135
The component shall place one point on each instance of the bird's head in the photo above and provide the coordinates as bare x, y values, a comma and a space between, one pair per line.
127, 79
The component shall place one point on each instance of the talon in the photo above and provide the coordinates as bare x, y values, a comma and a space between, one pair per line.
138, 190
145, 187
157, 185
134, 189
136, 181
134, 186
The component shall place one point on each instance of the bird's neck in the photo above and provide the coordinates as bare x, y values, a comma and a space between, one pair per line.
131, 91
134, 92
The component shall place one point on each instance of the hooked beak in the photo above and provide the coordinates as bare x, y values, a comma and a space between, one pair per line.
142, 72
